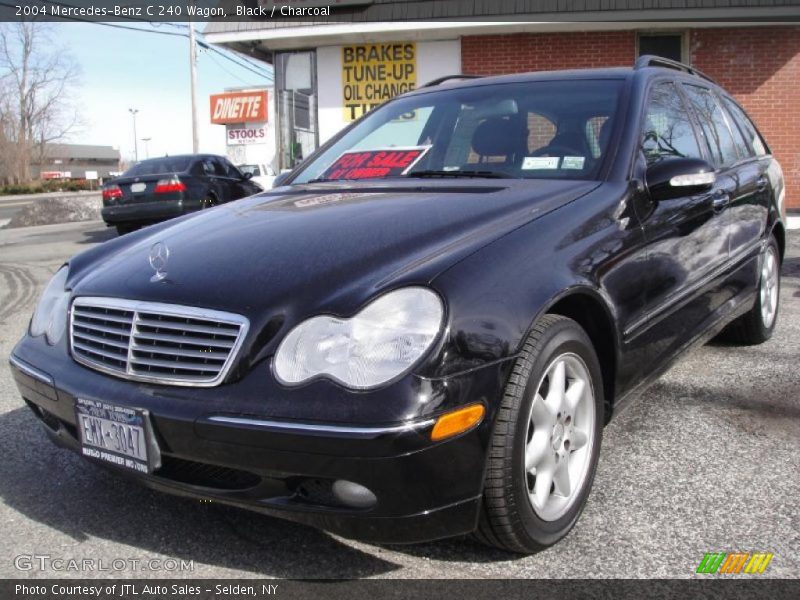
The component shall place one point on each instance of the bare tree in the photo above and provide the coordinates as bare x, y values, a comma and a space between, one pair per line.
36, 79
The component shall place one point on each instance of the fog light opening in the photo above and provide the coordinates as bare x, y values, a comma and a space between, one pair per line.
353, 495
458, 421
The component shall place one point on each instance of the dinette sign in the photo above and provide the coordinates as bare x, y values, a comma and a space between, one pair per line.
239, 107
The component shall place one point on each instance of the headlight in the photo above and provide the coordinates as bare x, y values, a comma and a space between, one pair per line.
50, 316
376, 345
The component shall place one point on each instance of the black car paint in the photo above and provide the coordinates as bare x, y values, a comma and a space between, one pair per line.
148, 207
501, 252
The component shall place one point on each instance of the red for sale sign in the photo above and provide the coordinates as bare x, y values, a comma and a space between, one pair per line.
370, 164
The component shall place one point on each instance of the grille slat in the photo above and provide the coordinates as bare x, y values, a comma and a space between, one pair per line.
169, 351
100, 351
162, 343
189, 328
103, 317
87, 337
172, 364
185, 339
103, 328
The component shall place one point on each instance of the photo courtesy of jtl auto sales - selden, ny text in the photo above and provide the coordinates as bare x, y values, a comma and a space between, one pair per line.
404, 299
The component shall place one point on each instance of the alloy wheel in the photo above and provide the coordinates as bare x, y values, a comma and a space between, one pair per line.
769, 287
560, 437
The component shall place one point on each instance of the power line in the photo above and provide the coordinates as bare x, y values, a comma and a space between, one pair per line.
264, 74
234, 75
246, 59
246, 65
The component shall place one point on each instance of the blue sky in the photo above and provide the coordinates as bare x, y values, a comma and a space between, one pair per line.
123, 69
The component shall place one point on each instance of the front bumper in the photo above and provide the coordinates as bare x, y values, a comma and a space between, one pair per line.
424, 490
142, 212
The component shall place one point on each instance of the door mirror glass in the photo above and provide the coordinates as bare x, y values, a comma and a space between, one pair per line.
675, 177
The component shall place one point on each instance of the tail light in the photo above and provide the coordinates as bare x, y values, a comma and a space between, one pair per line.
173, 184
112, 192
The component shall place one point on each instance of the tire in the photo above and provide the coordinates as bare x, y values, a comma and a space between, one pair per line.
208, 201
124, 228
757, 325
511, 518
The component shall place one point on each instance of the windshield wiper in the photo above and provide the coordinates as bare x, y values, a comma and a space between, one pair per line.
455, 174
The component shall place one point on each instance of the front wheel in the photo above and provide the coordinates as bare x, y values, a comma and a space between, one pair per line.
545, 442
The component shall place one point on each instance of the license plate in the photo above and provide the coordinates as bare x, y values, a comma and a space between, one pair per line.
118, 435
138, 187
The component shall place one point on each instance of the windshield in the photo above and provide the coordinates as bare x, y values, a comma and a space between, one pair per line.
536, 129
158, 166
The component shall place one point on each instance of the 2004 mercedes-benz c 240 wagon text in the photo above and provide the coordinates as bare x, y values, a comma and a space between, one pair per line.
423, 330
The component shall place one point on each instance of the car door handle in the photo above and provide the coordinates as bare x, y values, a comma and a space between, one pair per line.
762, 183
720, 201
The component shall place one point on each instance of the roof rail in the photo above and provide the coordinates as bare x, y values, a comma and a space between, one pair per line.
440, 80
650, 60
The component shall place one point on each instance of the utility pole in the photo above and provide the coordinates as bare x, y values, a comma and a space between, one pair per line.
146, 148
133, 112
193, 71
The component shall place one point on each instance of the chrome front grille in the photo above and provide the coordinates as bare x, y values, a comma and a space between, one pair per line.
160, 343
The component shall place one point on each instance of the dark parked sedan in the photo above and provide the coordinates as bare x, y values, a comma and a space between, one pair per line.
161, 188
424, 331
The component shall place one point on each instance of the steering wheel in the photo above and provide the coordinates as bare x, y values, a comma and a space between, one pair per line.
556, 151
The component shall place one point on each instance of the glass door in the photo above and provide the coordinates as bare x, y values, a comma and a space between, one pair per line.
296, 90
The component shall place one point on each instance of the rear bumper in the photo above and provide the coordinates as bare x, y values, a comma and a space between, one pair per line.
142, 212
424, 490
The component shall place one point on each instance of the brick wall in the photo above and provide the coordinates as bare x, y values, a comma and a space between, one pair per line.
760, 66
515, 53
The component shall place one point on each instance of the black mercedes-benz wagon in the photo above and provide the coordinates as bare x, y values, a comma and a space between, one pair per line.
423, 330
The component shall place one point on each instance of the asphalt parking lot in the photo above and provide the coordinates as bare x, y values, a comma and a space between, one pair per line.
706, 460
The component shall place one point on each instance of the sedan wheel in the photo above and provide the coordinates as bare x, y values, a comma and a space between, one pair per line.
545, 440
560, 436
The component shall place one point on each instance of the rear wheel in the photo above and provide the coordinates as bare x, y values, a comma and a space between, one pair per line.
124, 228
208, 202
545, 442
757, 325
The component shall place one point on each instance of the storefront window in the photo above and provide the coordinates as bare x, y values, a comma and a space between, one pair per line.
296, 89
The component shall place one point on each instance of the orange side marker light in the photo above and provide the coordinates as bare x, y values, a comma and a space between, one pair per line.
458, 421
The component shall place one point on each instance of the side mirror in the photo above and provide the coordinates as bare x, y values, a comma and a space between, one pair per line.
675, 177
247, 175
281, 179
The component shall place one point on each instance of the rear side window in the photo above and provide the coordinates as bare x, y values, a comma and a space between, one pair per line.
158, 166
746, 126
668, 131
714, 125
230, 170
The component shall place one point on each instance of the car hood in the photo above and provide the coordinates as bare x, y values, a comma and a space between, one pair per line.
319, 247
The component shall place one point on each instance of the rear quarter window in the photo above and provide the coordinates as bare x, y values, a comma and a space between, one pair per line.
746, 126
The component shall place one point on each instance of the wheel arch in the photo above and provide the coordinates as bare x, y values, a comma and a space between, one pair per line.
780, 236
586, 307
